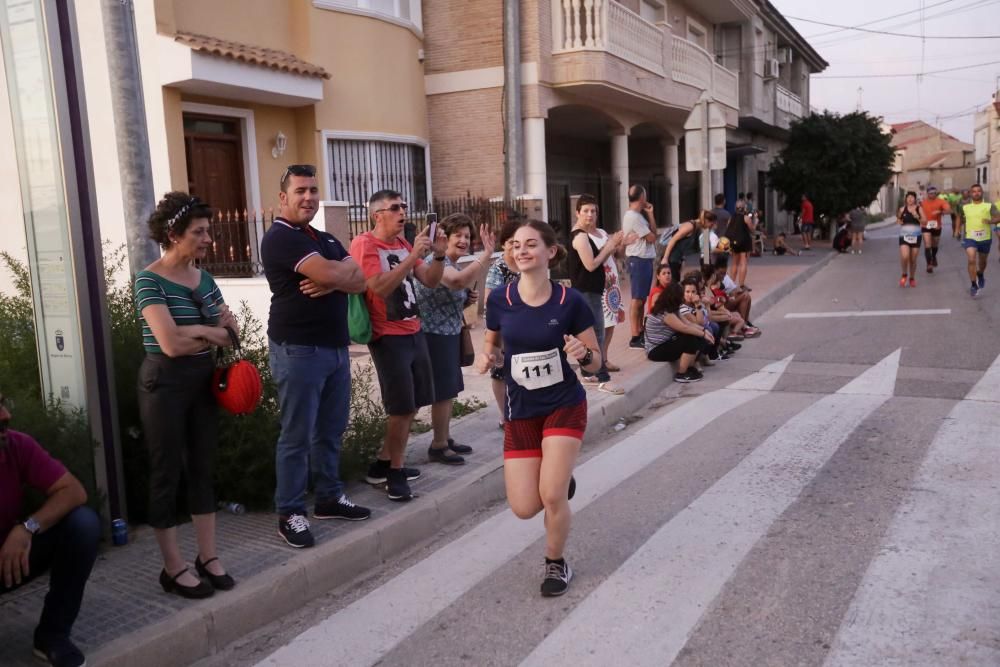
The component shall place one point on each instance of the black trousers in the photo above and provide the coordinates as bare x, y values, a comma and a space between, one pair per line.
180, 421
67, 551
673, 349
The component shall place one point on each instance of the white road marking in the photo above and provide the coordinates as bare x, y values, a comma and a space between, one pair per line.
644, 613
364, 631
867, 313
930, 597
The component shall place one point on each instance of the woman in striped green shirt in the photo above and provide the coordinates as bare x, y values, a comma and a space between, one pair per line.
183, 316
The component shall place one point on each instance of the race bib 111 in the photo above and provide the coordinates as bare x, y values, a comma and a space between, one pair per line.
537, 370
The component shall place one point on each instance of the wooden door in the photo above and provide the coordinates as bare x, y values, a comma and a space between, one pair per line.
214, 153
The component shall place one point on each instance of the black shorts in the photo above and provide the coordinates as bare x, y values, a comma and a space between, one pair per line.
445, 351
405, 376
933, 232
902, 241
522, 438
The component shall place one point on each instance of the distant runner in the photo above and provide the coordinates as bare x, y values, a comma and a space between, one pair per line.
977, 217
934, 208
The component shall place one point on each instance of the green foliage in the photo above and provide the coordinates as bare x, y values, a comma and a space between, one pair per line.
363, 438
462, 407
840, 162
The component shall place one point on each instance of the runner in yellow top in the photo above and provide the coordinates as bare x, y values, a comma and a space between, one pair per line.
977, 217
934, 208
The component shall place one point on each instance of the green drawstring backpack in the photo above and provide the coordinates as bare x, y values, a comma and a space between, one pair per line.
359, 324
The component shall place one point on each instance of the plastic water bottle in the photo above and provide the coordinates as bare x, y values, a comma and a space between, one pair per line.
232, 508
119, 532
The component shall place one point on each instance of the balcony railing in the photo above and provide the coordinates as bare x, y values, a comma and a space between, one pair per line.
694, 66
788, 101
605, 25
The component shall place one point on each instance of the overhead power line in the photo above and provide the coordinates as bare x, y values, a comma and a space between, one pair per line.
888, 76
884, 18
893, 34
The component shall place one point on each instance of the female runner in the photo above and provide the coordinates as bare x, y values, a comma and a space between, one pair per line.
910, 219
542, 325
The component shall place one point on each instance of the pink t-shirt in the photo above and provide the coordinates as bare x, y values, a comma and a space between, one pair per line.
23, 462
397, 314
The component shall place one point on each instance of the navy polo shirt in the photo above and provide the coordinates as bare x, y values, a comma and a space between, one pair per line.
294, 317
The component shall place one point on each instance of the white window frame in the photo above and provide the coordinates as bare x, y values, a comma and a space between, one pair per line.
329, 135
695, 26
363, 8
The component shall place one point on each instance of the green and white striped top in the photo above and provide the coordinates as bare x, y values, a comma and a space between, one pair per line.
198, 306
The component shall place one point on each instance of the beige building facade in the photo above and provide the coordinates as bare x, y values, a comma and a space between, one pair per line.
932, 157
987, 148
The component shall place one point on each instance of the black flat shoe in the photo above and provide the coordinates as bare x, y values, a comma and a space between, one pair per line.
458, 448
221, 582
170, 585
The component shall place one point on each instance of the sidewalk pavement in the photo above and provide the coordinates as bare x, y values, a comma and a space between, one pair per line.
126, 618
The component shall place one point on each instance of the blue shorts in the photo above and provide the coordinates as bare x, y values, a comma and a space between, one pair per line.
807, 228
640, 273
982, 247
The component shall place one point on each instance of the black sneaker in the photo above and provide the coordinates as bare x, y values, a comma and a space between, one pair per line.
58, 651
688, 376
557, 578
294, 529
378, 473
396, 487
458, 448
444, 455
695, 374
734, 346
341, 508
637, 343
572, 487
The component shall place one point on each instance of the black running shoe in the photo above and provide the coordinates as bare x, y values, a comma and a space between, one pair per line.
396, 486
341, 508
688, 376
557, 578
294, 529
378, 473
735, 346
58, 651
636, 342
572, 487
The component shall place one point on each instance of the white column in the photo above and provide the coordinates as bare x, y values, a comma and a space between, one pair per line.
619, 167
535, 181
672, 170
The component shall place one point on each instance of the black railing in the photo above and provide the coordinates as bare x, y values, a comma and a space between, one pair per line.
235, 251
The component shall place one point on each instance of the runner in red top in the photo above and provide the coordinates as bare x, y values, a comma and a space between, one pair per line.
807, 223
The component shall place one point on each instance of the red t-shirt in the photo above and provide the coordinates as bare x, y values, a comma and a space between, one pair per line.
654, 294
807, 212
933, 208
23, 462
396, 314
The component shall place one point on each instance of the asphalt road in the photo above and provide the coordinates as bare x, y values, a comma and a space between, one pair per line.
830, 496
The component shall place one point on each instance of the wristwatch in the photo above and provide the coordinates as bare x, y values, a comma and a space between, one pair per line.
31, 525
587, 358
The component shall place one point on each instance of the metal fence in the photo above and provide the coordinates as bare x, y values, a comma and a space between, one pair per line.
236, 236
483, 211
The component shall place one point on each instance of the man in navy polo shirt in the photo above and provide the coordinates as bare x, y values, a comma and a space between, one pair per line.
310, 274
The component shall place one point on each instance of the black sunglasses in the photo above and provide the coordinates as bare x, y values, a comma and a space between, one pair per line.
203, 308
395, 208
298, 170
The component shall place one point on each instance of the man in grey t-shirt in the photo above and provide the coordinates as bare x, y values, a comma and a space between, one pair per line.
722, 216
640, 254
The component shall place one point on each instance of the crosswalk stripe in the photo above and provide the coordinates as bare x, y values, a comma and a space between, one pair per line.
644, 613
931, 595
362, 632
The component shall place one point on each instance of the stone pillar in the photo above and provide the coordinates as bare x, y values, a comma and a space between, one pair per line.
333, 219
672, 170
535, 180
619, 168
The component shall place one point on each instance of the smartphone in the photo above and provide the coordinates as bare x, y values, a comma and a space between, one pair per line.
432, 226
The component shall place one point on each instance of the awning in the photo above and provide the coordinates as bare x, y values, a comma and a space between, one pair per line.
741, 150
204, 65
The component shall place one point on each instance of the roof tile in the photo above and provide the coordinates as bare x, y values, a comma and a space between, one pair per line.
254, 55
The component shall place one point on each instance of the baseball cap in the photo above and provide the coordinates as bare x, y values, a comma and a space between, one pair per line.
932, 188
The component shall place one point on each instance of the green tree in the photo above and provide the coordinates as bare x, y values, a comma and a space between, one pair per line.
840, 162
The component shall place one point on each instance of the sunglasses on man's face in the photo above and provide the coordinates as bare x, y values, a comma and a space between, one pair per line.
395, 208
298, 170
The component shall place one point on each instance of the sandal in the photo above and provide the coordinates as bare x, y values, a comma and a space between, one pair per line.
609, 388
589, 379
611, 368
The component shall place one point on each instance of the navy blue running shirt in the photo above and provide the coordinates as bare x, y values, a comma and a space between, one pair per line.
539, 378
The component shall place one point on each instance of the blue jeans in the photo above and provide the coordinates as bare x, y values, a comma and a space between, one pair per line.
314, 394
595, 301
67, 551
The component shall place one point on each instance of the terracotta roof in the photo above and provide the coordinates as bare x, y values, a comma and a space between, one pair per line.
937, 160
903, 126
254, 55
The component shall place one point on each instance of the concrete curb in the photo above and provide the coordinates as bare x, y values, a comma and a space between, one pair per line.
207, 627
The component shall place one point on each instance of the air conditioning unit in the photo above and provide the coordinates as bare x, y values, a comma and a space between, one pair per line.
772, 68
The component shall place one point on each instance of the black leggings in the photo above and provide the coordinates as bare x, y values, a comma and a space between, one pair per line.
180, 423
673, 349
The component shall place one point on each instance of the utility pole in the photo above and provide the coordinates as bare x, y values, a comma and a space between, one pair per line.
861, 106
513, 131
131, 134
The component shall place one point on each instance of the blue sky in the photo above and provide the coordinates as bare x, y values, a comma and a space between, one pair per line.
945, 99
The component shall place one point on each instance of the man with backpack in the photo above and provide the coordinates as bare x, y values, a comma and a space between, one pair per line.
310, 275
